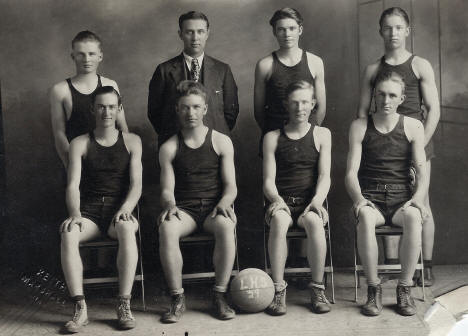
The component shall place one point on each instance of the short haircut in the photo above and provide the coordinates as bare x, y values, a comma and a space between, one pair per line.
105, 90
86, 35
286, 13
299, 85
193, 15
390, 76
188, 87
394, 11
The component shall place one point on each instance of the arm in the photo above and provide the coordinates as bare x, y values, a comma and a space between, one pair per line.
231, 104
223, 145
416, 136
430, 98
356, 135
73, 185
324, 164
156, 99
134, 191
58, 118
121, 122
366, 91
320, 91
167, 180
259, 93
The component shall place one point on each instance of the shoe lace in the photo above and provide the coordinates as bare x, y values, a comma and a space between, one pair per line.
124, 310
403, 295
371, 294
279, 296
176, 302
77, 313
319, 295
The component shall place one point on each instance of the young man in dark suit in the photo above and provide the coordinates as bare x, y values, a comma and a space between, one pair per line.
192, 64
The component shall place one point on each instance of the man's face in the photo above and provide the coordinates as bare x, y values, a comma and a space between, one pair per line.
388, 96
287, 32
194, 34
190, 110
87, 55
106, 106
394, 31
299, 105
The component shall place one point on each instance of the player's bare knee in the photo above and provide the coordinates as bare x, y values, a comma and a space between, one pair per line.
223, 226
412, 219
70, 238
366, 216
312, 222
125, 228
167, 232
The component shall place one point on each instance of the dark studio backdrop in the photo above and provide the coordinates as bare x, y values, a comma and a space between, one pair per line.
35, 46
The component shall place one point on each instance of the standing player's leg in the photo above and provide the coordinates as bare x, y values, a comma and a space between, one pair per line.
223, 260
127, 259
428, 235
316, 255
278, 252
170, 232
368, 219
410, 219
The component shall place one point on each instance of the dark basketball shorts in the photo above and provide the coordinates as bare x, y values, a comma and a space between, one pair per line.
296, 206
100, 210
198, 208
388, 198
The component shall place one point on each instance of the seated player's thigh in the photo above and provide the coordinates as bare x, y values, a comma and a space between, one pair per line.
89, 231
130, 226
406, 216
178, 228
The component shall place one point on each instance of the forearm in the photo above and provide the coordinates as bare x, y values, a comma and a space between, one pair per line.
62, 146
73, 201
167, 199
229, 194
323, 186
320, 114
353, 188
271, 192
433, 116
132, 198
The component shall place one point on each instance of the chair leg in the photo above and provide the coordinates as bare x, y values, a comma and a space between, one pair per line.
356, 276
422, 275
331, 261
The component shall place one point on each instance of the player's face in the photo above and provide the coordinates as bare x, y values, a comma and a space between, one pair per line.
106, 106
190, 110
300, 104
87, 55
287, 32
388, 96
394, 31
194, 34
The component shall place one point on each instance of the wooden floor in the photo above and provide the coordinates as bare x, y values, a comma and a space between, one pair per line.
20, 315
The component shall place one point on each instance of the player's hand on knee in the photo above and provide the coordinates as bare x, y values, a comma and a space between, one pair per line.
419, 204
318, 208
225, 210
68, 223
362, 203
122, 215
274, 207
168, 213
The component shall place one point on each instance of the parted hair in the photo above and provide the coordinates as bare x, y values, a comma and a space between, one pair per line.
105, 90
286, 13
391, 76
193, 15
394, 11
299, 85
188, 87
86, 35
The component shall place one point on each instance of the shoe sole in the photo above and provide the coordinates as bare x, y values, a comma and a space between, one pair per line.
366, 313
77, 329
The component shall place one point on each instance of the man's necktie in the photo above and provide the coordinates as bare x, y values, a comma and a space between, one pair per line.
195, 72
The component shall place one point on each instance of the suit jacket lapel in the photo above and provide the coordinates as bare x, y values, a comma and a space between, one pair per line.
178, 69
210, 75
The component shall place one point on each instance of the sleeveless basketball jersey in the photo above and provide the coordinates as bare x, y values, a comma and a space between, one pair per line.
386, 158
411, 106
281, 76
81, 120
296, 165
197, 170
105, 170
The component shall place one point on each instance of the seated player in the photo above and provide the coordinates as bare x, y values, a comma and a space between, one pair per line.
296, 180
382, 149
104, 186
198, 188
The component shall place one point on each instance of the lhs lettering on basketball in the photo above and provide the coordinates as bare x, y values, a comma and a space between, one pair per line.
251, 285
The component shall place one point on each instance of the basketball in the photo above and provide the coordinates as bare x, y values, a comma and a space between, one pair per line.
252, 290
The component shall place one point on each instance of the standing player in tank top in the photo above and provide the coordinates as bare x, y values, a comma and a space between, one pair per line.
70, 100
288, 64
420, 90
